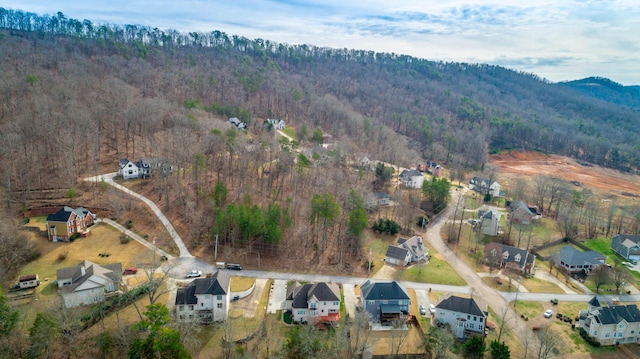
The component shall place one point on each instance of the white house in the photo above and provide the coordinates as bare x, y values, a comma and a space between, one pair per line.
205, 299
465, 316
489, 221
128, 169
316, 303
483, 185
411, 178
88, 282
611, 325
397, 255
277, 124
416, 248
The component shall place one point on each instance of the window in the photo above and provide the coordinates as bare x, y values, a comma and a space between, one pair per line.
480, 320
336, 303
190, 307
207, 296
312, 305
190, 316
181, 308
202, 304
219, 305
620, 335
301, 312
470, 325
607, 335
219, 297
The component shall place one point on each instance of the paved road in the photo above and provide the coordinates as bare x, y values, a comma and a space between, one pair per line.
108, 178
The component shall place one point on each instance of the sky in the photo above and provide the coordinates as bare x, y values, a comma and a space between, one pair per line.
557, 40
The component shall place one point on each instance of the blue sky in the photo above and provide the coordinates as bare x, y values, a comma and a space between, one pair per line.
557, 40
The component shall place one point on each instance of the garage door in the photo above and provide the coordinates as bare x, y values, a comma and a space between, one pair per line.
634, 257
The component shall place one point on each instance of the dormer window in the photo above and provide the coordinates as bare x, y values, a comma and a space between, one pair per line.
505, 255
518, 257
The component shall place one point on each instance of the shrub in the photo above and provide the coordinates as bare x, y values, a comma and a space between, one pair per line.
25, 221
124, 239
559, 315
74, 237
129, 224
554, 301
63, 255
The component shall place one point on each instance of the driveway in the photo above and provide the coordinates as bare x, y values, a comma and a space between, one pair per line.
108, 178
249, 304
422, 296
350, 300
277, 296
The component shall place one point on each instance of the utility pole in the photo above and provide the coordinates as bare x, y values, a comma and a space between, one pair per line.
215, 256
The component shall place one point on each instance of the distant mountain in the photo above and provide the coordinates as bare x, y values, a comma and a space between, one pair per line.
607, 90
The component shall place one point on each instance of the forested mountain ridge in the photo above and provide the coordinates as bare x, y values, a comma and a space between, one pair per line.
607, 90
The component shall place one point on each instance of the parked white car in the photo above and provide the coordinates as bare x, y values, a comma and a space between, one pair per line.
194, 274
548, 313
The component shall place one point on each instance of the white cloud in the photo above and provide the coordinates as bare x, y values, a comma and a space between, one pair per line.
558, 40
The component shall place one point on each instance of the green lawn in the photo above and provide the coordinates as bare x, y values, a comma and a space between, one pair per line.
529, 309
291, 132
437, 271
536, 285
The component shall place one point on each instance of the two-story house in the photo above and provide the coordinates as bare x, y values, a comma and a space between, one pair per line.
315, 303
128, 169
411, 178
520, 212
67, 222
416, 248
88, 282
515, 259
385, 302
484, 186
465, 316
611, 325
205, 300
627, 246
489, 221
572, 260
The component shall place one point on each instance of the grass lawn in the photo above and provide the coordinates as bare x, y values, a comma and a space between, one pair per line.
500, 284
528, 309
291, 132
103, 239
239, 284
536, 285
437, 271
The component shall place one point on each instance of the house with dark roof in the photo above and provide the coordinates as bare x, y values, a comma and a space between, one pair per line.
313, 302
611, 325
416, 248
627, 246
67, 222
382, 198
411, 178
573, 260
152, 167
88, 282
484, 186
277, 124
205, 300
398, 256
515, 259
385, 302
489, 221
520, 212
128, 169
465, 316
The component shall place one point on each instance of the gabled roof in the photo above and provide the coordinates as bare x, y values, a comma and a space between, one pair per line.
627, 240
617, 313
512, 253
217, 284
300, 294
410, 174
123, 162
110, 271
479, 181
381, 195
61, 216
397, 252
415, 245
571, 256
382, 291
488, 214
461, 305
594, 302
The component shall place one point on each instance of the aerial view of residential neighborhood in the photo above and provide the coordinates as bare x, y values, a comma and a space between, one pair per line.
174, 194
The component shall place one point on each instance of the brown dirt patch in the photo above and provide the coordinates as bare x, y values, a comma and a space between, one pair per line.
514, 164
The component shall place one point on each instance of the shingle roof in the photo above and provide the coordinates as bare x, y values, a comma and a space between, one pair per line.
217, 284
396, 252
62, 215
461, 305
615, 314
381, 195
382, 291
572, 256
512, 252
633, 239
111, 271
186, 295
594, 302
325, 291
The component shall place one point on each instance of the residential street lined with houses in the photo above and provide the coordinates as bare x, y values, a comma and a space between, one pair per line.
476, 287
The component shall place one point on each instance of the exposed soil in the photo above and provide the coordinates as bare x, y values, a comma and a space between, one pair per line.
514, 164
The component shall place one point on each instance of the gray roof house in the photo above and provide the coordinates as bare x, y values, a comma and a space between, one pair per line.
573, 260
519, 212
385, 302
416, 247
128, 169
465, 316
411, 178
398, 256
205, 299
319, 302
611, 325
483, 185
627, 246
515, 259
489, 221
88, 282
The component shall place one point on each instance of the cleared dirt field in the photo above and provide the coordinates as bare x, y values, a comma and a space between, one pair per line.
514, 164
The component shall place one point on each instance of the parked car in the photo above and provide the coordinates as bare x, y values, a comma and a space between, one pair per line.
548, 313
423, 310
194, 274
234, 266
432, 309
627, 264
130, 270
